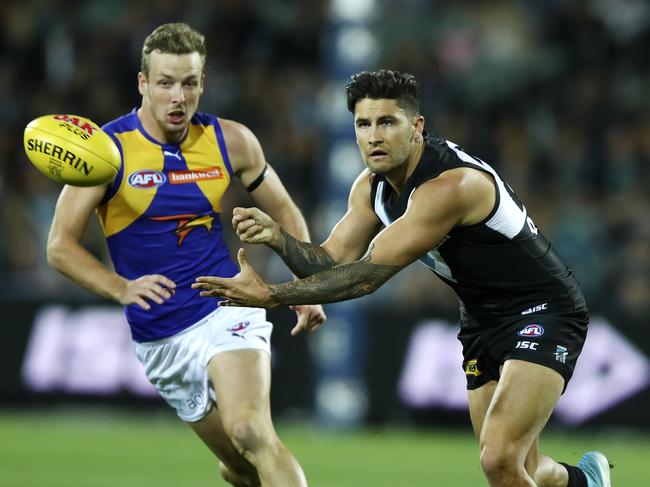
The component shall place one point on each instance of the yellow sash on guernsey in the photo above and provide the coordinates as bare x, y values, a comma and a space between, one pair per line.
205, 167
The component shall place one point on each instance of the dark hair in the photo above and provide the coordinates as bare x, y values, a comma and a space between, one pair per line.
176, 38
384, 83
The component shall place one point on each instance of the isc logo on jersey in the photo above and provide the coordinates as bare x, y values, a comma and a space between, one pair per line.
146, 179
531, 331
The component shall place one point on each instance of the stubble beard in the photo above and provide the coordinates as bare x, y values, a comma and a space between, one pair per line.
388, 166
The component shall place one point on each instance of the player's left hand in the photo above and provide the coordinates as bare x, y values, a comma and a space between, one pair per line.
245, 289
310, 317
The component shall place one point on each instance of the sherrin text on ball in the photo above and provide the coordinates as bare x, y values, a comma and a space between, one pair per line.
71, 149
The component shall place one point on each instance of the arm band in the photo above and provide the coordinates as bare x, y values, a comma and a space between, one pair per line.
258, 180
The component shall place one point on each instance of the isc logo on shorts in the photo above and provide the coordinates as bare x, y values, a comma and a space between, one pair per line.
531, 331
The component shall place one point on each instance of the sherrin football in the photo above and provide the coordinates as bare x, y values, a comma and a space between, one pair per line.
71, 149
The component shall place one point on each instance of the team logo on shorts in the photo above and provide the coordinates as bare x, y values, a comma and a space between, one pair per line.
239, 327
471, 368
534, 330
561, 353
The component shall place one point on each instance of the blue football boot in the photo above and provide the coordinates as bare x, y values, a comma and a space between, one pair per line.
596, 467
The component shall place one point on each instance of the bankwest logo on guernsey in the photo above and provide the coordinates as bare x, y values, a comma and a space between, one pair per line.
194, 175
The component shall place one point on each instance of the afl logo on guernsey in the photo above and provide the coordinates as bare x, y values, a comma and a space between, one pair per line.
146, 179
532, 331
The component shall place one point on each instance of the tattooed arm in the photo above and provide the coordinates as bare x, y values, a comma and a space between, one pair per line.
303, 258
347, 242
457, 197
339, 283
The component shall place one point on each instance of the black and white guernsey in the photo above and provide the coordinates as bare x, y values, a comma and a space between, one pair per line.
501, 267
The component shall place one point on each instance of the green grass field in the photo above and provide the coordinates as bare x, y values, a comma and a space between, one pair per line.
102, 450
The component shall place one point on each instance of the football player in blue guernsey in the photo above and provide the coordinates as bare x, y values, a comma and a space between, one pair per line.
523, 317
160, 217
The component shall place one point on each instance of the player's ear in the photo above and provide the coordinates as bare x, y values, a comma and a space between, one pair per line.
418, 122
418, 128
142, 83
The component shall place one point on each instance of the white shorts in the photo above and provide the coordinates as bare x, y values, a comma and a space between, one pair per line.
177, 365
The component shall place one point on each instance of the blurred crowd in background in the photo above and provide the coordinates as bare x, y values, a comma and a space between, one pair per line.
554, 93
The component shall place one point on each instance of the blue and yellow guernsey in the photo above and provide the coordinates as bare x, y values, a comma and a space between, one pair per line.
161, 216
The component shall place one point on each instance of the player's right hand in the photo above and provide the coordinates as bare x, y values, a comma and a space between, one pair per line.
154, 287
253, 226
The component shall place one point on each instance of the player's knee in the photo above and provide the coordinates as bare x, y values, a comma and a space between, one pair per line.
500, 462
239, 479
249, 437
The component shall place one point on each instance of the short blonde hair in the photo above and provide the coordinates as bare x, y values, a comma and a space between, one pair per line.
175, 38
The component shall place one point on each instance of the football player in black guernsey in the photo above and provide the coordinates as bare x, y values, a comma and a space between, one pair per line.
523, 317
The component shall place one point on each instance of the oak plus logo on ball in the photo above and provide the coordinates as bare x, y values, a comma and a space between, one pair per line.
146, 179
77, 126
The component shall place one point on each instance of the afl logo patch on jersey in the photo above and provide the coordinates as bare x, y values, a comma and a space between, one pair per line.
146, 179
531, 331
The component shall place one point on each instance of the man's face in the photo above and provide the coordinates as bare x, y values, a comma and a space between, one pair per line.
385, 133
171, 92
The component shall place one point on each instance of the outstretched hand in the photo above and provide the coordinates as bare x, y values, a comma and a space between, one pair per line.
255, 227
245, 289
310, 317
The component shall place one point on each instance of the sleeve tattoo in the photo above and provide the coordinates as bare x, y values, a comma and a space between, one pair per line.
338, 283
304, 258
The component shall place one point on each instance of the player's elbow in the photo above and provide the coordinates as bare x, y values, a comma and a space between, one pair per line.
56, 255
368, 278
363, 288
